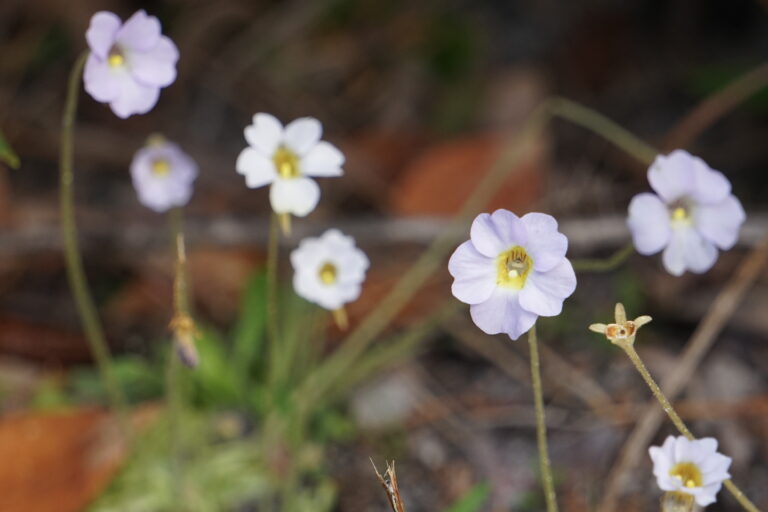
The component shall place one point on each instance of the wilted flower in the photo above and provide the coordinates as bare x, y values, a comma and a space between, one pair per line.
287, 159
623, 331
692, 214
691, 467
129, 62
163, 175
512, 270
329, 271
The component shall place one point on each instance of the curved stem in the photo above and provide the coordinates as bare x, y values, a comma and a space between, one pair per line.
541, 424
605, 264
676, 420
86, 308
604, 127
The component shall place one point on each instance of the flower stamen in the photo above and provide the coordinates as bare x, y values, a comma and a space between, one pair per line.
161, 167
513, 267
115, 58
287, 163
328, 274
688, 473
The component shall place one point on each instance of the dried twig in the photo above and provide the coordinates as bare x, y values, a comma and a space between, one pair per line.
389, 483
674, 383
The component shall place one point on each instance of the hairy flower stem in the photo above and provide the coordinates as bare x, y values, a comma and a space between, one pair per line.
606, 264
547, 481
86, 308
629, 349
183, 328
273, 344
601, 125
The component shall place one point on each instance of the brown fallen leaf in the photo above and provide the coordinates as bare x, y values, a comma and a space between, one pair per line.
59, 462
440, 180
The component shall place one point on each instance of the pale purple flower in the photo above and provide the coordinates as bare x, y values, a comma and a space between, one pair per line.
690, 467
129, 62
692, 214
163, 175
329, 270
511, 271
287, 158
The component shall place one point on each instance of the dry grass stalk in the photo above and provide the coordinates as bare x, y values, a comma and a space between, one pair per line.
389, 483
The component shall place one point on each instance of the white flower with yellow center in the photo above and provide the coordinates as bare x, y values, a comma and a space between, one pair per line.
329, 271
287, 158
511, 271
163, 175
691, 215
690, 467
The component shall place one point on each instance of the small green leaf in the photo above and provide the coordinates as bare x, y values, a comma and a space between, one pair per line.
472, 499
7, 154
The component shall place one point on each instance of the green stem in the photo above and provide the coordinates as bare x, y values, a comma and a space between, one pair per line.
173, 383
606, 264
273, 344
601, 125
86, 308
541, 424
629, 348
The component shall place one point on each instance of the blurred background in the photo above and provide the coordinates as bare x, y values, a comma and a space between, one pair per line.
420, 97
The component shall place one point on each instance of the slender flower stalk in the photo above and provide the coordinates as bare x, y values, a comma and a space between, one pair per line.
86, 307
183, 350
622, 333
605, 264
541, 424
273, 249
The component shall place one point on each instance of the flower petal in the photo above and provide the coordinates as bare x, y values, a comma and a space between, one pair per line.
495, 233
101, 33
661, 462
257, 169
140, 32
102, 82
710, 186
719, 223
672, 176
544, 292
156, 66
265, 134
474, 274
302, 134
502, 313
687, 250
649, 223
134, 98
546, 245
323, 161
298, 196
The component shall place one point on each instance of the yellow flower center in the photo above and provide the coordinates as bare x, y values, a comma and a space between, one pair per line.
328, 273
161, 168
688, 473
680, 212
115, 58
513, 267
286, 162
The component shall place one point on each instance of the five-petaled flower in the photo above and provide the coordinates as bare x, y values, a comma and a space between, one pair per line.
287, 158
163, 175
329, 271
512, 270
692, 467
692, 214
129, 62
